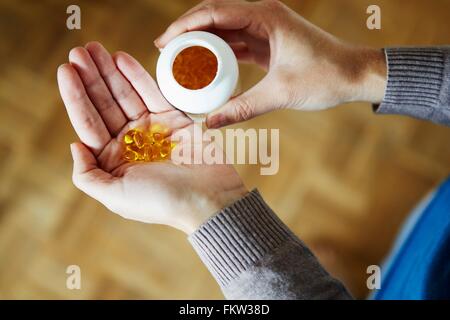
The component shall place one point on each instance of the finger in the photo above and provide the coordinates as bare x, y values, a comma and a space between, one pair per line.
197, 7
88, 177
82, 114
118, 85
97, 90
258, 100
142, 82
222, 16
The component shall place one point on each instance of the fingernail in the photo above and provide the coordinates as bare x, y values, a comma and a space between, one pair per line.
216, 121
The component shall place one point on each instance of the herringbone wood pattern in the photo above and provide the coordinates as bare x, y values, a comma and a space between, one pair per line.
347, 178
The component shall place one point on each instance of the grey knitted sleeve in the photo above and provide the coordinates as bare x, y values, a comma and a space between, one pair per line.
418, 83
253, 255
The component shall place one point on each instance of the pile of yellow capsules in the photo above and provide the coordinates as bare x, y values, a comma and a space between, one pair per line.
147, 146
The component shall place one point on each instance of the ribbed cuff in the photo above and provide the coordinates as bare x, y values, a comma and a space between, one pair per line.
415, 78
238, 237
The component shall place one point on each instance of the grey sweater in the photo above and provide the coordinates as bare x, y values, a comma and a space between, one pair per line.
253, 255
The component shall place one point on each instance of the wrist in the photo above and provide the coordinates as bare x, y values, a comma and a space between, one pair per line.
207, 205
368, 78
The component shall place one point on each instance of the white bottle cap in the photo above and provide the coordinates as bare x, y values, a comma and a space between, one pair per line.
210, 97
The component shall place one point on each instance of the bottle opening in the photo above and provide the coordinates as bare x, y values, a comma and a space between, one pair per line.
195, 67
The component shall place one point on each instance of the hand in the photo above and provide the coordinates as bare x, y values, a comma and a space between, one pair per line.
308, 69
106, 96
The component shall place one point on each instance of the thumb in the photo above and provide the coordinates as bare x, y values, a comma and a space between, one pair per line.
83, 159
258, 100
87, 176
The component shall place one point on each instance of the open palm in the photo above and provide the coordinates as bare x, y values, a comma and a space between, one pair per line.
107, 95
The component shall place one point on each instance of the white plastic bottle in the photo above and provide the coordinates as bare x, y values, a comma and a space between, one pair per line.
187, 79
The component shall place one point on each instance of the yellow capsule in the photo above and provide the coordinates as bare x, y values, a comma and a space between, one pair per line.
147, 153
140, 156
157, 136
128, 139
165, 143
164, 152
138, 152
138, 139
148, 145
131, 132
130, 155
133, 148
148, 139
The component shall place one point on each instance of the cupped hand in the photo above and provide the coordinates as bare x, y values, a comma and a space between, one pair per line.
308, 68
105, 96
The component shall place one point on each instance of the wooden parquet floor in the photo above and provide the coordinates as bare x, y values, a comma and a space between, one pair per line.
347, 178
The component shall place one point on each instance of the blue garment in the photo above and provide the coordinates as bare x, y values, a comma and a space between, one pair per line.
419, 267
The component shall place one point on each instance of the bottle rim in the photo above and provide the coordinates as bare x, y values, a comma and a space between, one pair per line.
213, 95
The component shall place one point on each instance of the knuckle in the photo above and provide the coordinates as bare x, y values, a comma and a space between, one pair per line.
140, 75
275, 11
272, 4
123, 93
212, 7
108, 73
92, 83
243, 110
77, 96
104, 104
90, 122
